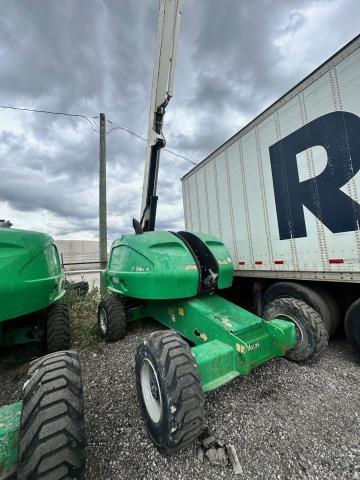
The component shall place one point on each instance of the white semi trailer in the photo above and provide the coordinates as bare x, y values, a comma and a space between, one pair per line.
283, 194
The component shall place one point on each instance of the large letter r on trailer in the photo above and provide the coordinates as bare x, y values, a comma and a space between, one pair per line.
339, 134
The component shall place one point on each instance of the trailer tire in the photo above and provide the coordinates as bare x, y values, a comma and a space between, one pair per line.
352, 325
57, 328
112, 319
320, 300
334, 311
311, 331
169, 390
52, 429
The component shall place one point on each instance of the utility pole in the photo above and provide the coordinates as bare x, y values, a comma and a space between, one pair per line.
102, 199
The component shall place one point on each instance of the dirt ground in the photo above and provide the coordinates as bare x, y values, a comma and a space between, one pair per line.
285, 420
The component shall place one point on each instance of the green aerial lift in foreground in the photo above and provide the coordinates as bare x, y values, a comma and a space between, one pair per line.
31, 285
44, 432
173, 278
43, 435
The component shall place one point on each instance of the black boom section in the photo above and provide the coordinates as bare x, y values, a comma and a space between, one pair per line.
205, 260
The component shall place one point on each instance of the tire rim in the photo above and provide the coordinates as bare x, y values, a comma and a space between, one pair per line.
103, 321
151, 390
298, 330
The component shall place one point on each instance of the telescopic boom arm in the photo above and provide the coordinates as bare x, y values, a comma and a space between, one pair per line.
161, 92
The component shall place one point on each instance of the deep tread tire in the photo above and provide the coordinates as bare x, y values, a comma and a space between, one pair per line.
182, 410
52, 430
57, 328
318, 298
114, 328
352, 325
314, 337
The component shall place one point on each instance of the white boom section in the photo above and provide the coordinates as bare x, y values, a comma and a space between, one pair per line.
163, 79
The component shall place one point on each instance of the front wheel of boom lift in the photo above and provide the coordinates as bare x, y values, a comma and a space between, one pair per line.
311, 332
169, 391
112, 319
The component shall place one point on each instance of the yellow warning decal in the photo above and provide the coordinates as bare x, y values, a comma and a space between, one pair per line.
190, 266
240, 348
222, 261
203, 336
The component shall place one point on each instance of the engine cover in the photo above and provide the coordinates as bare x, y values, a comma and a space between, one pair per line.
31, 277
164, 265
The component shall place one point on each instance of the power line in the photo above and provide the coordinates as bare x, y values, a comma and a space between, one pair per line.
79, 115
94, 126
119, 127
180, 156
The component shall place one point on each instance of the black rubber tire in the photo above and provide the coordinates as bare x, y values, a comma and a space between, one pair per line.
320, 300
115, 319
57, 328
52, 428
314, 337
352, 325
335, 315
182, 397
78, 289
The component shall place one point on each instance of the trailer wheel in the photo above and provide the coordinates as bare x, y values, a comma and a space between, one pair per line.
112, 319
52, 429
57, 328
352, 325
312, 335
169, 391
320, 300
334, 312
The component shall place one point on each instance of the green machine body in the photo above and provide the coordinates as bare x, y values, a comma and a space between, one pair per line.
31, 280
166, 265
175, 278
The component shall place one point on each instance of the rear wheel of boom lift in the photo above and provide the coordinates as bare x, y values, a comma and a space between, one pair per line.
112, 319
169, 391
312, 335
57, 328
52, 428
318, 298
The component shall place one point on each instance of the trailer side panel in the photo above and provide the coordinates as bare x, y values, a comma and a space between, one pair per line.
283, 193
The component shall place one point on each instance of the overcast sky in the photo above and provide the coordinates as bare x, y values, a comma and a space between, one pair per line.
235, 57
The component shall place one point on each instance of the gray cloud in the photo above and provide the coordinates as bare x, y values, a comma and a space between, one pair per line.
91, 56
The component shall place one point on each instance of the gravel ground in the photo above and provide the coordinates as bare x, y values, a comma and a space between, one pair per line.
286, 421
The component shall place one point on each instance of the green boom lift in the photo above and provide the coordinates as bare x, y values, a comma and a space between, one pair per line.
31, 285
41, 436
173, 277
